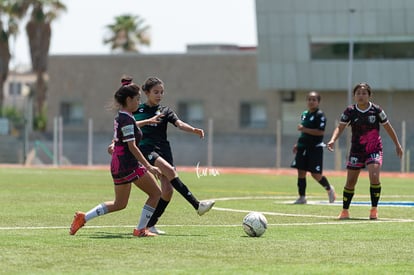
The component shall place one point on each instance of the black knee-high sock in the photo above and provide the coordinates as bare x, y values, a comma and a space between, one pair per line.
302, 186
347, 198
183, 190
375, 191
159, 210
325, 183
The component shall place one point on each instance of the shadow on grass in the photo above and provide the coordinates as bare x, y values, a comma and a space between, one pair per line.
357, 219
110, 235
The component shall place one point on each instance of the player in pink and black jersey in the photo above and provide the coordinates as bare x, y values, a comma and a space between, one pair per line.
128, 165
365, 119
153, 119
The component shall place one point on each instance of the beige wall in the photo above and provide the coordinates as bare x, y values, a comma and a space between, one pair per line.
220, 81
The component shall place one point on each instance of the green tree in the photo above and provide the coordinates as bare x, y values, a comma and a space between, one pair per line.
39, 33
127, 33
8, 28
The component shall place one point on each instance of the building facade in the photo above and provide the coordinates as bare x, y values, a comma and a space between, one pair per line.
254, 98
204, 86
305, 45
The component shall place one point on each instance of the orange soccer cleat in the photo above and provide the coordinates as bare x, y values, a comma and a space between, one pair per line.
344, 215
144, 232
78, 222
373, 214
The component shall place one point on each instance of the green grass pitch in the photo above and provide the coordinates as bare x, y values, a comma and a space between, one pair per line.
37, 206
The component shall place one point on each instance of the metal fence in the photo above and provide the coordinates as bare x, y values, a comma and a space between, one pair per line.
272, 151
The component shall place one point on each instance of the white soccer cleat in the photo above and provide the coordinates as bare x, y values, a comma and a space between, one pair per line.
332, 195
155, 230
301, 200
204, 207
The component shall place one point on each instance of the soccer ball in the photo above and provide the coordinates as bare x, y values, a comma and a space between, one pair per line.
254, 224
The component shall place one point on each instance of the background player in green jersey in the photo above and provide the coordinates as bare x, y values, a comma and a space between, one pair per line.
309, 148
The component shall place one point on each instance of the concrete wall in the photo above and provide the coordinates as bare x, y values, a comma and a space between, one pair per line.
220, 80
287, 28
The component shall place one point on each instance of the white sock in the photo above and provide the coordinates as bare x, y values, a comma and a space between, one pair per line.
98, 210
146, 214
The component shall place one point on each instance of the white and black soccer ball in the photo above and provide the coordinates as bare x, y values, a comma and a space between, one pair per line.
254, 224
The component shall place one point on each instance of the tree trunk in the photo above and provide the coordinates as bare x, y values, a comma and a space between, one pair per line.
39, 34
4, 64
41, 89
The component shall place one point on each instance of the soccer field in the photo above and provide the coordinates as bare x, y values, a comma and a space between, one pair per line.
37, 206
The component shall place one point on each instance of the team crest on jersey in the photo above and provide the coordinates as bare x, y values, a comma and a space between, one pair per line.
344, 117
353, 160
371, 119
311, 118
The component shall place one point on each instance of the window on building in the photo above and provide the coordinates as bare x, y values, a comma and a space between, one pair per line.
15, 88
72, 113
253, 115
191, 112
363, 50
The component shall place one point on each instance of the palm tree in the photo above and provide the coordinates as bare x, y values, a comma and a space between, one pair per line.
39, 32
8, 28
127, 33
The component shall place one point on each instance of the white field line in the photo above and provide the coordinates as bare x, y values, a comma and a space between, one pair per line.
333, 222
322, 200
309, 197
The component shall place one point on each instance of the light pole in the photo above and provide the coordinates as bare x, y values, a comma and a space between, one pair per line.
351, 54
350, 63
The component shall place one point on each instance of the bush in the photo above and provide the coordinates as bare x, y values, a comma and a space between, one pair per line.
15, 116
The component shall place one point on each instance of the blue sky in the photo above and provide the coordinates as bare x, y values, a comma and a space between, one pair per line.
174, 24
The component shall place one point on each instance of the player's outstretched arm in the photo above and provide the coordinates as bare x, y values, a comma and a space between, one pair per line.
335, 135
390, 131
152, 120
188, 128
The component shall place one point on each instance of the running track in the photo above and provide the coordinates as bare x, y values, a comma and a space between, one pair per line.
220, 170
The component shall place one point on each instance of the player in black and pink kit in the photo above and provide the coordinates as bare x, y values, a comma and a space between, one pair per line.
153, 119
127, 165
365, 119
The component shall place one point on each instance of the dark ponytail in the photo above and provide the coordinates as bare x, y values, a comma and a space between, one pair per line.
127, 89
